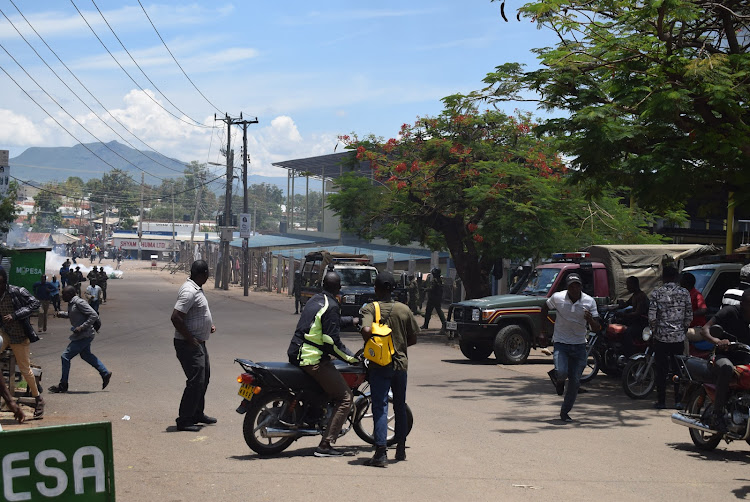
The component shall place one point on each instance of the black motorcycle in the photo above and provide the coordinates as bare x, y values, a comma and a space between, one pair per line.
282, 403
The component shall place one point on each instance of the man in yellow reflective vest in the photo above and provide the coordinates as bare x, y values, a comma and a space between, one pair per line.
315, 340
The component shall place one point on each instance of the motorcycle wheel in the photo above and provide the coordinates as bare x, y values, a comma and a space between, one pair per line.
636, 381
700, 405
264, 411
364, 411
592, 367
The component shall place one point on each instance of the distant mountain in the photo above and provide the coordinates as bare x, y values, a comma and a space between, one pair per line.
42, 164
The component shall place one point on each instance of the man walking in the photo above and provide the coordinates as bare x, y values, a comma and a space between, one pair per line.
434, 299
43, 292
404, 331
102, 282
575, 310
297, 291
82, 319
94, 295
413, 295
669, 315
315, 340
193, 325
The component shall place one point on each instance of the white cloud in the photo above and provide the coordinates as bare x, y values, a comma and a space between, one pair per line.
18, 130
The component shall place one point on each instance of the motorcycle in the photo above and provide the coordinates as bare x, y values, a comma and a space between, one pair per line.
605, 348
639, 375
282, 404
696, 375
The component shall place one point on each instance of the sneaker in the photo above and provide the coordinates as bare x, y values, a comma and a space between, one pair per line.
59, 388
565, 418
380, 458
105, 380
327, 451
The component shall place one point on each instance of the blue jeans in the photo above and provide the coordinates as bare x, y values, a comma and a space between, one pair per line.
383, 379
570, 360
95, 305
82, 347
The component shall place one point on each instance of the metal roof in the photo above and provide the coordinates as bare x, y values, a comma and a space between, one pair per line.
378, 255
330, 165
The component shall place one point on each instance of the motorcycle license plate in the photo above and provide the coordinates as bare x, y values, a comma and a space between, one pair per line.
246, 391
451, 326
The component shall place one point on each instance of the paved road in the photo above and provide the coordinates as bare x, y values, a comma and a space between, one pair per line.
482, 431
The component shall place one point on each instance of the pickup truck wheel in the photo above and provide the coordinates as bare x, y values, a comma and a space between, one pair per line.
475, 351
512, 345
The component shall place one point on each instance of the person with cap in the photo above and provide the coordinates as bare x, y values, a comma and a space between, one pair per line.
734, 296
315, 340
576, 314
434, 299
404, 331
670, 313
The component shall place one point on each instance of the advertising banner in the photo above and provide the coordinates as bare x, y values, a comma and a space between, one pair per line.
66, 462
244, 225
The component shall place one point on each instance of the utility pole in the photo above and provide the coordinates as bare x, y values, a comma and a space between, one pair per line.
140, 223
104, 221
174, 244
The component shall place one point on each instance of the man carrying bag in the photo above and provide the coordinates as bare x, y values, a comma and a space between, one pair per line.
392, 376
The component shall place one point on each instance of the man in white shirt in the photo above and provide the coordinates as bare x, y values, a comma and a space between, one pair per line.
94, 294
576, 314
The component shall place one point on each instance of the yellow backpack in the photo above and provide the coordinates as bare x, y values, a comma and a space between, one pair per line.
379, 347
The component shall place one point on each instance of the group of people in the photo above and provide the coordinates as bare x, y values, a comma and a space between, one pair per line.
16, 308
675, 312
314, 343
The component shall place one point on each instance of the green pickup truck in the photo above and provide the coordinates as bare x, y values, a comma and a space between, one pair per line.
510, 325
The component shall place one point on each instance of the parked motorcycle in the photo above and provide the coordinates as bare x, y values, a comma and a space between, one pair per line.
699, 380
282, 403
605, 348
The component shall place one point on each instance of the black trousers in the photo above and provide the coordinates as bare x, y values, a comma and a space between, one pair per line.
195, 364
663, 357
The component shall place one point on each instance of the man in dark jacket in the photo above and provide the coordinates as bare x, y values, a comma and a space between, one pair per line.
434, 299
315, 340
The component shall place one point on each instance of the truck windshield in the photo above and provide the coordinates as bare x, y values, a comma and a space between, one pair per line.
540, 281
702, 276
354, 277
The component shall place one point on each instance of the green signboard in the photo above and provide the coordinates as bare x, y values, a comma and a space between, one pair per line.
66, 462
26, 266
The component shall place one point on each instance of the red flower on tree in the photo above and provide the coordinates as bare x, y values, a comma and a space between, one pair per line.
478, 238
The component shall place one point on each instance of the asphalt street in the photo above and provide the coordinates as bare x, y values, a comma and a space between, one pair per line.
481, 431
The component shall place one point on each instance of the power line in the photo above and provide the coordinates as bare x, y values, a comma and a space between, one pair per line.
175, 59
194, 122
71, 116
84, 86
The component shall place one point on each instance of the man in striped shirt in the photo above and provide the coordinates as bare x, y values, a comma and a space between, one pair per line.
734, 296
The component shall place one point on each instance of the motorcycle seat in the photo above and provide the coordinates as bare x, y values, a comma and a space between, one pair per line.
699, 370
289, 374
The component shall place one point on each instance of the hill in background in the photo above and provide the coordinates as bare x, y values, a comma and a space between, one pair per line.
43, 164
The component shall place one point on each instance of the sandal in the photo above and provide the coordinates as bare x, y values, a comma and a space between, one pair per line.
39, 408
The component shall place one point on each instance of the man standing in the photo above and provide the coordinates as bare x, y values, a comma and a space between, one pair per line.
64, 270
193, 325
404, 331
82, 319
102, 282
43, 292
636, 319
434, 299
575, 310
315, 340
94, 295
669, 315
297, 291
16, 306
413, 295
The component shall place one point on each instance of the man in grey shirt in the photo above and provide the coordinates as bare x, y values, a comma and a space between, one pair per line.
193, 325
82, 319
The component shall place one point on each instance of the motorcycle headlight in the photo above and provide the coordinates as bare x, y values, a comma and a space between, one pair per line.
646, 333
351, 299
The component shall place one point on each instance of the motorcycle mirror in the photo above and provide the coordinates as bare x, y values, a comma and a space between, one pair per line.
716, 331
646, 334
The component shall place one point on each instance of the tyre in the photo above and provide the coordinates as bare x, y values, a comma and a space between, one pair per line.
700, 406
638, 378
592, 367
266, 411
364, 411
512, 345
475, 351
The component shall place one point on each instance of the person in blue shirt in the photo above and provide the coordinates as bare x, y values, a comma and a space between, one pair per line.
55, 292
43, 293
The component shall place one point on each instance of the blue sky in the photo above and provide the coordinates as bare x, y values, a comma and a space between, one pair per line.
309, 71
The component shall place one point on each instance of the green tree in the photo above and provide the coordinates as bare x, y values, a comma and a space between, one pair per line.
655, 94
482, 185
46, 212
8, 208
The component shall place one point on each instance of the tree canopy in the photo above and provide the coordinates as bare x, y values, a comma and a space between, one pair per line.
483, 185
655, 94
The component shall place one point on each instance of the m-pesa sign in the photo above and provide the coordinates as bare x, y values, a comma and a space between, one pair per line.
68, 462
